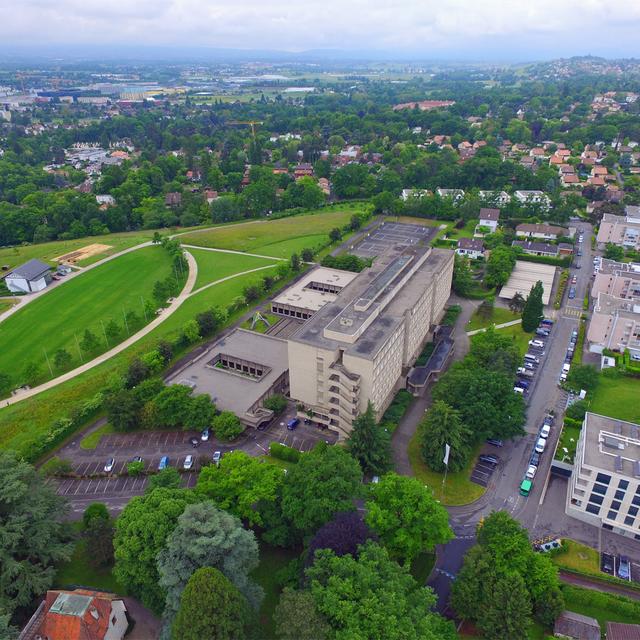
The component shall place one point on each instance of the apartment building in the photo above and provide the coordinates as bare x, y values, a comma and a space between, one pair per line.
617, 279
604, 489
615, 325
623, 231
359, 347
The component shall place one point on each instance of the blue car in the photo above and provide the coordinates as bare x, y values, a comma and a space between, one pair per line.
292, 424
164, 463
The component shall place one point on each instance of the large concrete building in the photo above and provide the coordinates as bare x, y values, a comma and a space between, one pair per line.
615, 325
360, 346
604, 489
623, 231
617, 279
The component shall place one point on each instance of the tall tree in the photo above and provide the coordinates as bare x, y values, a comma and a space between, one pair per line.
240, 483
441, 426
499, 266
370, 444
532, 313
324, 481
510, 613
210, 607
207, 537
297, 618
406, 517
141, 532
34, 537
462, 282
373, 597
516, 304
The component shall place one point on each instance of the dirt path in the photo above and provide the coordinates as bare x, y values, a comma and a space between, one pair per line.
69, 375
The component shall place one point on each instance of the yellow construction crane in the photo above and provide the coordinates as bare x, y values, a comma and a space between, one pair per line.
251, 123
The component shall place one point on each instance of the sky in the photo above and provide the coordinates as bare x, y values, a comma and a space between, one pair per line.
509, 30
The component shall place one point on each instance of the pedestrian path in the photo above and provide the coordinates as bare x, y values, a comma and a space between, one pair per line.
511, 323
232, 251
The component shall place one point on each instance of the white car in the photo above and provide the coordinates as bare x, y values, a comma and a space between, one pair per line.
188, 462
536, 343
217, 455
545, 431
531, 472
540, 445
108, 467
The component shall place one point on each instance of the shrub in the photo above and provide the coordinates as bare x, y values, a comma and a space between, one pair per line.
135, 468
95, 511
282, 452
56, 467
277, 403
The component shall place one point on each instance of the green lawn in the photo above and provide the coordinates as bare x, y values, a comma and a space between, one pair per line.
91, 441
458, 488
279, 238
578, 557
272, 559
30, 419
499, 315
568, 440
47, 251
261, 327
79, 572
57, 318
5, 305
214, 266
604, 607
520, 337
617, 397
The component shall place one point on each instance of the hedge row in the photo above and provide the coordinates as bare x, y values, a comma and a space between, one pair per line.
282, 452
556, 262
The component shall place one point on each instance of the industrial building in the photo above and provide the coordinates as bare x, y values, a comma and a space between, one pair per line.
359, 347
604, 489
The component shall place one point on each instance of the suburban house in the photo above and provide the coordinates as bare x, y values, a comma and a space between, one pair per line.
623, 231
533, 197
78, 615
540, 231
454, 194
471, 248
34, 275
414, 193
576, 627
622, 631
537, 248
496, 198
489, 219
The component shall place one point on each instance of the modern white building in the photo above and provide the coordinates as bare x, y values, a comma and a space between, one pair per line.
604, 489
533, 197
34, 275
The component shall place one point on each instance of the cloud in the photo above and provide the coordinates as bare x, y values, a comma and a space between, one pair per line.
581, 26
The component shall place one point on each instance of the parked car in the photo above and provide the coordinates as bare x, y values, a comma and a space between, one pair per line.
536, 343
531, 472
534, 459
607, 564
547, 321
519, 390
579, 252
572, 293
578, 266
530, 366
523, 383
540, 445
549, 419
530, 357
136, 459
574, 280
523, 371
624, 568
292, 424
204, 436
545, 431
188, 462
217, 455
495, 442
194, 442
108, 465
489, 459
542, 332
164, 463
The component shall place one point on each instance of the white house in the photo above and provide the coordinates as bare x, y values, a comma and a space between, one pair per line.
454, 194
471, 248
495, 198
489, 219
533, 197
414, 193
34, 275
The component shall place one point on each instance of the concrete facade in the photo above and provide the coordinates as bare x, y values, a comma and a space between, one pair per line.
617, 279
604, 489
623, 231
359, 347
615, 325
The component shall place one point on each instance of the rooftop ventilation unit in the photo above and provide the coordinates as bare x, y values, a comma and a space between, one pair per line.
612, 443
618, 463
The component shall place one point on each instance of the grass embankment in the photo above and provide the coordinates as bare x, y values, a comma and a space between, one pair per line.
91, 441
458, 489
266, 236
5, 305
577, 557
214, 266
617, 396
519, 336
58, 319
499, 315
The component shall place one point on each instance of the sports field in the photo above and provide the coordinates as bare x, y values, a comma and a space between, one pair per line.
54, 320
279, 238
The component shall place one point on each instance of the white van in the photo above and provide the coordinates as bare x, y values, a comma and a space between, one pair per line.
529, 357
565, 367
536, 343
518, 390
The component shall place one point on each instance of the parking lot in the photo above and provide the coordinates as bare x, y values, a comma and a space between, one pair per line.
482, 473
390, 234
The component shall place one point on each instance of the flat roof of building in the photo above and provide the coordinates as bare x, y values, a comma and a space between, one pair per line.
231, 390
390, 235
370, 308
611, 445
302, 295
525, 275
